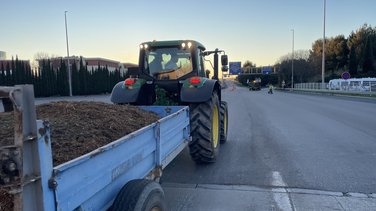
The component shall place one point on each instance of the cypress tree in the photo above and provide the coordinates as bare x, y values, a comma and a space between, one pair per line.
87, 75
8, 77
91, 81
369, 60
82, 78
27, 72
37, 78
62, 79
43, 79
75, 79
97, 79
12, 73
353, 66
48, 77
107, 73
2, 75
16, 72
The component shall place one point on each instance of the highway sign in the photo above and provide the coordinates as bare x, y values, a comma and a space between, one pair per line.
235, 68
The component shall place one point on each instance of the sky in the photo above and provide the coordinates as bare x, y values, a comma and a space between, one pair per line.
259, 31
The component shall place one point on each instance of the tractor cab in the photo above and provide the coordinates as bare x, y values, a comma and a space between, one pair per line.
171, 60
167, 63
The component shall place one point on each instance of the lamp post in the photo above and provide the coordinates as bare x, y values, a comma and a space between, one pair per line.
69, 69
292, 61
323, 52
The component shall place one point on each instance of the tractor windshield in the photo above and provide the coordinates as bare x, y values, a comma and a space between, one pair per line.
167, 63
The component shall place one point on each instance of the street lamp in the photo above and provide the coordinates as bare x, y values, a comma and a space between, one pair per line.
69, 69
292, 61
323, 52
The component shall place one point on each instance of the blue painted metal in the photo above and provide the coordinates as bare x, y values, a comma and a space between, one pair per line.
45, 155
92, 181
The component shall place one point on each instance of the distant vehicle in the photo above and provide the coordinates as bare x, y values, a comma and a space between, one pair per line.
354, 84
255, 84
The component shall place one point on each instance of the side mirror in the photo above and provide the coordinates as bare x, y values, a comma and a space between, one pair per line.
207, 73
133, 72
224, 60
224, 68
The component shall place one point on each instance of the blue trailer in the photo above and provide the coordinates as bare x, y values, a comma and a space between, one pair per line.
122, 175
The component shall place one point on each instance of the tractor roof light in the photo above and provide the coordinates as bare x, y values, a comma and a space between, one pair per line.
144, 46
195, 80
188, 45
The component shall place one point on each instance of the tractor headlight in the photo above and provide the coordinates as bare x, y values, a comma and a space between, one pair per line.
189, 44
144, 46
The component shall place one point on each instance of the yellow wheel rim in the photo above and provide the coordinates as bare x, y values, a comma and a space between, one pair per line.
215, 126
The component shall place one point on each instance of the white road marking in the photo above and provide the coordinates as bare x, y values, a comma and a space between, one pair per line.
277, 179
280, 195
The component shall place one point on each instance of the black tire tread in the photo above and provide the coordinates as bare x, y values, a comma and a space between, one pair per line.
201, 148
223, 133
133, 187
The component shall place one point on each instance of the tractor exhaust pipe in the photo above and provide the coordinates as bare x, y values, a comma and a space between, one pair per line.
216, 64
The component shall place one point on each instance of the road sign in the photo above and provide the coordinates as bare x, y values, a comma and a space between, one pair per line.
345, 75
266, 70
235, 68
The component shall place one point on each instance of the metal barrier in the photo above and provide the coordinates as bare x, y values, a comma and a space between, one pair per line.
313, 86
19, 176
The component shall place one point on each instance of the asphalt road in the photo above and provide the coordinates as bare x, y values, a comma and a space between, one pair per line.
290, 140
285, 151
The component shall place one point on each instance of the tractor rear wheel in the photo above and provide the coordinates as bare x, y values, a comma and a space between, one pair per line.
205, 130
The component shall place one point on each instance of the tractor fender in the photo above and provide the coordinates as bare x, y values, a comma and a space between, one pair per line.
120, 94
197, 94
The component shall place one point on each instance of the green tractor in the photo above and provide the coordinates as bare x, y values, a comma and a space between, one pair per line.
174, 70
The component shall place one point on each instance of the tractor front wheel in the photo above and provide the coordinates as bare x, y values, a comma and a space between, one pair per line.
205, 130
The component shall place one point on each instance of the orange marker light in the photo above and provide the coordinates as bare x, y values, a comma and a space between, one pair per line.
129, 81
195, 80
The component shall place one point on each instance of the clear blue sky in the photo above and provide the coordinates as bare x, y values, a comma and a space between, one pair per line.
259, 31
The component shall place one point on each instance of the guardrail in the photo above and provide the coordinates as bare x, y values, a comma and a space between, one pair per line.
317, 88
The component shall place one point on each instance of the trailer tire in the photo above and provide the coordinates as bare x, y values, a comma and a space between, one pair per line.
224, 122
140, 195
205, 121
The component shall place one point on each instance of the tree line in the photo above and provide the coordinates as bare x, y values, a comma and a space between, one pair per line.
48, 81
355, 54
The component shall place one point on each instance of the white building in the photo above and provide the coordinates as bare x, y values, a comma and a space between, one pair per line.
3, 55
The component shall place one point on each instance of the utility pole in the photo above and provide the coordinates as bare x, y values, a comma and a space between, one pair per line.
323, 52
69, 69
292, 61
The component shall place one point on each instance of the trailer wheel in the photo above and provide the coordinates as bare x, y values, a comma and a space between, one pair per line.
224, 122
140, 195
205, 120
